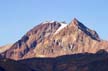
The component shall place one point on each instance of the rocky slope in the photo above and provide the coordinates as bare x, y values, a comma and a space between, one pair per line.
5, 48
52, 39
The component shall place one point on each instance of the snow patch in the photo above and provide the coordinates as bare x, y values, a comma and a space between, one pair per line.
48, 22
61, 27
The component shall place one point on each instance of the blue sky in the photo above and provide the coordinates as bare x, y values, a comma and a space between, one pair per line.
19, 16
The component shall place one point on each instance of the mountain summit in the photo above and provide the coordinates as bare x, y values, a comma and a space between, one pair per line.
85, 29
52, 39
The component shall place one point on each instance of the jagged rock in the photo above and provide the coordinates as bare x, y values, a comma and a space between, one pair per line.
52, 39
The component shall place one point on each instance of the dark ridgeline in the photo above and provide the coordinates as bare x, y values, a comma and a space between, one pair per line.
76, 62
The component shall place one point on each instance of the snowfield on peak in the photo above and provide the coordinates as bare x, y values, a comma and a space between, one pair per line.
63, 24
48, 22
61, 27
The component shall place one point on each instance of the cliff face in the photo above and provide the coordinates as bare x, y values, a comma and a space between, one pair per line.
52, 39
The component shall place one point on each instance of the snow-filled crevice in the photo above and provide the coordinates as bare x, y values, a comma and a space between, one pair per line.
61, 27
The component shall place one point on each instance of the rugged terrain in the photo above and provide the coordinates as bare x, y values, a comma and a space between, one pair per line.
56, 46
5, 48
52, 39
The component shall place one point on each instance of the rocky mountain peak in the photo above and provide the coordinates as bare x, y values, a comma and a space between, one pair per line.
79, 26
75, 22
52, 38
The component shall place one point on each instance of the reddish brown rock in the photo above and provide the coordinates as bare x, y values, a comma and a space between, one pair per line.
5, 48
45, 40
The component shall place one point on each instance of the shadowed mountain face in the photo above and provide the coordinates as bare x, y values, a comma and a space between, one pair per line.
52, 39
76, 62
11, 65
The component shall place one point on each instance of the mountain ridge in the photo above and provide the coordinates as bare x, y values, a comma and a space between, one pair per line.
42, 42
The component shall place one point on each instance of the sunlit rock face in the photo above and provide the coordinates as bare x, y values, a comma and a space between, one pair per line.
52, 39
5, 48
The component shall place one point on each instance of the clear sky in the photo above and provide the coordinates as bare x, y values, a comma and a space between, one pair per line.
19, 16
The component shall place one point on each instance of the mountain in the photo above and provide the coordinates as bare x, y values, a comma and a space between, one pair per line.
53, 39
56, 46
